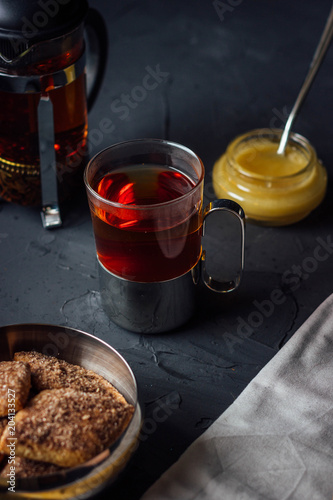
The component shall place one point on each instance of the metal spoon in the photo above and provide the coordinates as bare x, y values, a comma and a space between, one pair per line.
323, 45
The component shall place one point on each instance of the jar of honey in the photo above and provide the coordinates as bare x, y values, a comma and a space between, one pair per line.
272, 189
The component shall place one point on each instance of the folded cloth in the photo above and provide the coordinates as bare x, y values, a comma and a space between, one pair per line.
276, 440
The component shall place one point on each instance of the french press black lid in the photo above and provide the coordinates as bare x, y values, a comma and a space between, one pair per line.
24, 23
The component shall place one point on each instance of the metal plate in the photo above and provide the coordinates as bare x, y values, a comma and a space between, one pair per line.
77, 347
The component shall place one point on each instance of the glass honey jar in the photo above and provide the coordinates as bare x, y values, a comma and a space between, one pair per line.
272, 189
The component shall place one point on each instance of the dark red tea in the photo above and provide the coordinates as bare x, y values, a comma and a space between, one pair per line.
19, 146
139, 239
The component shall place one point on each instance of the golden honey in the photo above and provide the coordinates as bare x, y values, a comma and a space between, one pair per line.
272, 189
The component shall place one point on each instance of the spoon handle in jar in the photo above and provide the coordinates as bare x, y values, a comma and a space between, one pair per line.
321, 49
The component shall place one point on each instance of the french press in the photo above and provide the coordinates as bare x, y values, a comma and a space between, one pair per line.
43, 103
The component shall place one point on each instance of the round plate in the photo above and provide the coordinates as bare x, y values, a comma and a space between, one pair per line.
79, 348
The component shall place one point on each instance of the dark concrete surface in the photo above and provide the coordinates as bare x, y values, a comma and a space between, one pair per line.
222, 73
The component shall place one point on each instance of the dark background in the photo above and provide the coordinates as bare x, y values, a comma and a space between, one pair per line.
231, 66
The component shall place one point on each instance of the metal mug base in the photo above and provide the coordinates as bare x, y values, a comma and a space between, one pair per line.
148, 307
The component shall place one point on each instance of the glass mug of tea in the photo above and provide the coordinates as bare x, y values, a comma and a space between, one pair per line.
146, 203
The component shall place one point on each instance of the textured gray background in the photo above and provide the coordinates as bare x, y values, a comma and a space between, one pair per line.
225, 76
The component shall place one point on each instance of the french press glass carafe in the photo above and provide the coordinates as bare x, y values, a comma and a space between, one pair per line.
43, 105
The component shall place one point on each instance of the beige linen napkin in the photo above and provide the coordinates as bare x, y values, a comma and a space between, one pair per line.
276, 440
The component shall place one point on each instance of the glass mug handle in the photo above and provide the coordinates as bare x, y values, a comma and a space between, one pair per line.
237, 211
